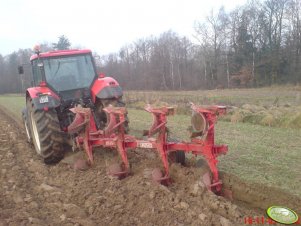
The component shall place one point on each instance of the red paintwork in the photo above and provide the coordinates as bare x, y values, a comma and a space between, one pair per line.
100, 83
114, 137
43, 84
60, 53
33, 91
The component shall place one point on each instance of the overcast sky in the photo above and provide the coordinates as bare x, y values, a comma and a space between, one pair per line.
103, 26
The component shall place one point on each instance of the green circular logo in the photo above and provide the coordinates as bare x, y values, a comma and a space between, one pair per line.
282, 214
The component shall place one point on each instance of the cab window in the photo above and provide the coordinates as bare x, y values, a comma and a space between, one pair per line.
37, 73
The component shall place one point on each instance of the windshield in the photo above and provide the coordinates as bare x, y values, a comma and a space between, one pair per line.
67, 73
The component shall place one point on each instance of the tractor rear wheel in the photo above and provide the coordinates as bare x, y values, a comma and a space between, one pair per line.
26, 125
45, 132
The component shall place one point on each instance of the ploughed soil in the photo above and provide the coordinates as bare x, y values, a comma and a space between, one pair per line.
33, 193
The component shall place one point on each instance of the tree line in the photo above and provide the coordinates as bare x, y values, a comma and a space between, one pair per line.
10, 80
257, 44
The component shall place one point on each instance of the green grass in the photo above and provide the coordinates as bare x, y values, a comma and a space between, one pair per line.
14, 103
261, 154
272, 106
235, 97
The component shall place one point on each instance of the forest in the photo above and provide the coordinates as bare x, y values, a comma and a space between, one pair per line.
254, 45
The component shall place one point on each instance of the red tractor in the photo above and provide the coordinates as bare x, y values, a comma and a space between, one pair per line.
61, 81
71, 105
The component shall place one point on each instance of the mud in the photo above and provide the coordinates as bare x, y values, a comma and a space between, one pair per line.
35, 194
254, 195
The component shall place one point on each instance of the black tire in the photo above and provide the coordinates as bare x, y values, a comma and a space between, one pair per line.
120, 103
176, 156
180, 157
46, 133
26, 125
102, 115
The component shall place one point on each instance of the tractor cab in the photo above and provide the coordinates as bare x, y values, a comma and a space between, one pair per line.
66, 72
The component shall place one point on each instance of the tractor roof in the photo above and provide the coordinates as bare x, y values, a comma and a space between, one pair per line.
60, 53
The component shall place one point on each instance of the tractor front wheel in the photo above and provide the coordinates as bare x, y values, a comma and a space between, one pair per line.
45, 133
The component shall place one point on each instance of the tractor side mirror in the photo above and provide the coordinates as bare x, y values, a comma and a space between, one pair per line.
20, 70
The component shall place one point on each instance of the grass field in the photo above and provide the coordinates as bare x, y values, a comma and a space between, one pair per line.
274, 106
234, 97
14, 103
262, 154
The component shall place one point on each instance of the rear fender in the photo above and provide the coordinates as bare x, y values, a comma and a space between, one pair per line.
35, 93
106, 88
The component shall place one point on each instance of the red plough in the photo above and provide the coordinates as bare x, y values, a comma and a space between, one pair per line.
113, 136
